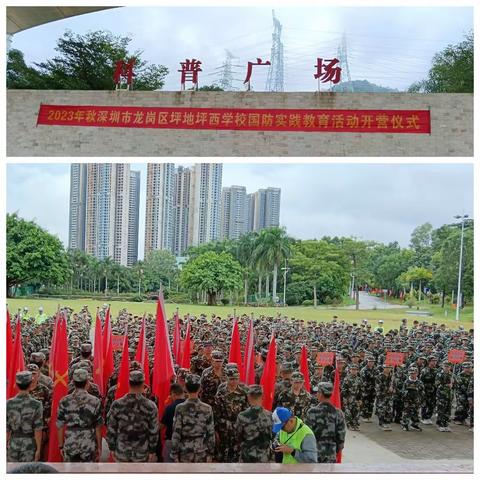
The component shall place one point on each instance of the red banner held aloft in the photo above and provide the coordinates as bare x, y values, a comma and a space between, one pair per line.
394, 358
117, 342
286, 120
456, 356
325, 358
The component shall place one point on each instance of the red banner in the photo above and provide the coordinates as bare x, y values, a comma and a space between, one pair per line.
117, 342
286, 120
456, 356
325, 358
394, 358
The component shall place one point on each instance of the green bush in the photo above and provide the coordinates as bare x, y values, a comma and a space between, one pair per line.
307, 303
137, 298
179, 297
225, 301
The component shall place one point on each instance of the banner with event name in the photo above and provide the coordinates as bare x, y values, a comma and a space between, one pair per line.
286, 120
117, 342
394, 358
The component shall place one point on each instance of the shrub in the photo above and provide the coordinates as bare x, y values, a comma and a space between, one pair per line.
307, 303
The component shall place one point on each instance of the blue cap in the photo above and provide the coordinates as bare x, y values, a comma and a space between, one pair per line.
280, 417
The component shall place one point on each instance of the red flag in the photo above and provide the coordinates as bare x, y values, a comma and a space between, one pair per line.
124, 371
248, 372
186, 350
60, 386
141, 354
177, 351
162, 359
9, 341
304, 368
17, 363
107, 350
269, 375
98, 377
52, 346
336, 401
235, 355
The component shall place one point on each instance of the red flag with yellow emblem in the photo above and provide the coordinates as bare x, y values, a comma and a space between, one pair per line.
60, 386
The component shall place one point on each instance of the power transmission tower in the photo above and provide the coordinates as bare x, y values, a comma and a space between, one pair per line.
226, 80
342, 56
275, 71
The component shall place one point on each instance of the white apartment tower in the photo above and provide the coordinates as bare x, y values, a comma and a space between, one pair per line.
181, 208
133, 217
159, 218
205, 196
264, 209
78, 198
234, 212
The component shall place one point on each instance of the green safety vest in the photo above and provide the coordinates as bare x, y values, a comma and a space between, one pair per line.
294, 440
40, 318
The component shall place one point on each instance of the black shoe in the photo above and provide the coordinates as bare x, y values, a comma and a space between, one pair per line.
416, 428
405, 428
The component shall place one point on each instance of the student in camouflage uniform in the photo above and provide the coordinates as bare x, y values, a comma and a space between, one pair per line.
41, 393
254, 429
351, 397
296, 398
229, 402
444, 384
132, 424
212, 377
193, 438
470, 403
327, 424
427, 377
384, 402
368, 375
201, 362
81, 414
38, 358
285, 382
399, 378
92, 388
413, 393
24, 423
462, 381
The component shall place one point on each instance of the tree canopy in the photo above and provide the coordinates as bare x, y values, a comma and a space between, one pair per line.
83, 62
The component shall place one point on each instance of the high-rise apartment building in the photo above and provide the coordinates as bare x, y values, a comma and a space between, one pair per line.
234, 212
205, 196
159, 218
181, 208
133, 217
264, 209
78, 198
107, 211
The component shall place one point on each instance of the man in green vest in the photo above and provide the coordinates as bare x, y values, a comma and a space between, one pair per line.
294, 440
40, 317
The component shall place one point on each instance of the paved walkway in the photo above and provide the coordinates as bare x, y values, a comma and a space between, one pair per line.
370, 302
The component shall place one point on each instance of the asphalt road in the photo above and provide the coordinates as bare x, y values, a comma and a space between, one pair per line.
370, 302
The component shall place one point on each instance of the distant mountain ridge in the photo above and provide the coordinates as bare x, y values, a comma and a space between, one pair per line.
362, 86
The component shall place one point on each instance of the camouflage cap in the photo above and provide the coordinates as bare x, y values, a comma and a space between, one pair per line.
217, 355
413, 368
325, 388
297, 377
86, 347
33, 367
467, 364
432, 357
135, 365
37, 357
23, 377
369, 358
136, 376
353, 366
85, 364
207, 343
80, 375
232, 373
287, 367
446, 363
386, 365
255, 390
193, 379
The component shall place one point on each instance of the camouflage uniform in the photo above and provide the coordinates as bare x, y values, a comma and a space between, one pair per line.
413, 393
470, 400
24, 417
399, 377
226, 409
427, 377
384, 402
254, 435
367, 376
351, 399
81, 413
297, 404
193, 437
199, 363
444, 398
210, 383
462, 381
328, 426
281, 386
132, 428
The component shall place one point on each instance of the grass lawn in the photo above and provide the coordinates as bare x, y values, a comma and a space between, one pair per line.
391, 318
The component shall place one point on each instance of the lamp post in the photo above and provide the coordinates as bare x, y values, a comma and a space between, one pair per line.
285, 270
140, 273
459, 299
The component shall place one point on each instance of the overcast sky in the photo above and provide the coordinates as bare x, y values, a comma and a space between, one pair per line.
382, 202
389, 46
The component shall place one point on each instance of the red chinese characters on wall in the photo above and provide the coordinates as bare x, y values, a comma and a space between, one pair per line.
124, 70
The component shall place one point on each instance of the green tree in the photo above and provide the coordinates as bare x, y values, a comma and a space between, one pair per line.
210, 88
246, 257
84, 62
451, 71
273, 247
416, 274
213, 273
421, 243
159, 266
33, 255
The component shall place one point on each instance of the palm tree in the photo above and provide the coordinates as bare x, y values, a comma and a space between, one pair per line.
273, 247
245, 255
106, 268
